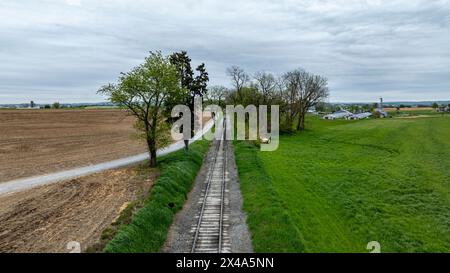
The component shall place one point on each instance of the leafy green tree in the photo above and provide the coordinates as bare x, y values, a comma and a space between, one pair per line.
144, 91
56, 105
435, 105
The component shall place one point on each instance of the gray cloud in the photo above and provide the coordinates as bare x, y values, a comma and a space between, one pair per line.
65, 50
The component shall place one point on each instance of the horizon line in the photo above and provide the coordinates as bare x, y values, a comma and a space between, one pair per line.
333, 102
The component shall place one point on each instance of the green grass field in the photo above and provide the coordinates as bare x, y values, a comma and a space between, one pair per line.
342, 184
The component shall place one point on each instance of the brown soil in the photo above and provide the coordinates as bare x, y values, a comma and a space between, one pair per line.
46, 218
410, 109
418, 116
34, 142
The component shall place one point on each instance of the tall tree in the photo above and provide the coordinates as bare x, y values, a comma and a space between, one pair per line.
200, 86
144, 91
195, 85
183, 63
239, 79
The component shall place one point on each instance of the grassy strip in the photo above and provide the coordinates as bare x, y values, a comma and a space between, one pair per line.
271, 227
148, 228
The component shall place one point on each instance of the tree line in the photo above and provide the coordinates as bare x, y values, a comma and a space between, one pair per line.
150, 90
295, 92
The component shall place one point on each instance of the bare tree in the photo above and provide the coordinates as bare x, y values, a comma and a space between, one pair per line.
303, 91
289, 85
217, 94
238, 78
313, 90
266, 84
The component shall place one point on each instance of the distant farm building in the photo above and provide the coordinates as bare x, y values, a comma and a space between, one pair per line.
381, 113
312, 110
344, 114
443, 108
359, 116
33, 105
339, 114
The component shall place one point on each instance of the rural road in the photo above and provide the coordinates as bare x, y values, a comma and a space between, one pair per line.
29, 182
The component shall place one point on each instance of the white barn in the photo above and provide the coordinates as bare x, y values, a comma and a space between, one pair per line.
360, 115
338, 114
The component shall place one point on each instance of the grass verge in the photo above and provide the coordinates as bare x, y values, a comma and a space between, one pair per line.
147, 230
271, 227
345, 183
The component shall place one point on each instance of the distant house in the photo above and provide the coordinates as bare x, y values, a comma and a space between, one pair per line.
443, 108
344, 114
338, 114
312, 109
33, 105
360, 116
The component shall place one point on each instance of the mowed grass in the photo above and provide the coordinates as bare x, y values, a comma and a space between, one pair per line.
148, 229
342, 184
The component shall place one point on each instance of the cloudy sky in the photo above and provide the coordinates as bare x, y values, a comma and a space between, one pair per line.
64, 51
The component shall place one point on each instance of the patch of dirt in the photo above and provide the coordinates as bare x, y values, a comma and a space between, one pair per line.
407, 109
46, 218
418, 116
36, 142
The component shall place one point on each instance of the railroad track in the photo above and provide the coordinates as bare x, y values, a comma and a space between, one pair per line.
210, 234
